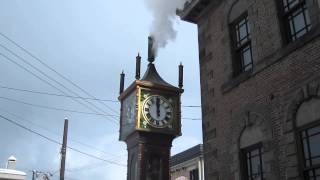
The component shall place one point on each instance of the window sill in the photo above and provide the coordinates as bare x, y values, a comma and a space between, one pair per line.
270, 60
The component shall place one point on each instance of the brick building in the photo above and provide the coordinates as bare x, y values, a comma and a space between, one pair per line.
260, 86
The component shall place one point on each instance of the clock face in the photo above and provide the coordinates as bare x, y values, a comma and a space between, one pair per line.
129, 109
128, 115
157, 110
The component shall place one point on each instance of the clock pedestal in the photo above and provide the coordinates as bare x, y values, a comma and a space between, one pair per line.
148, 156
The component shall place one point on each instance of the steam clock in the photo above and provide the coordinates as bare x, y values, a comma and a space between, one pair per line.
150, 119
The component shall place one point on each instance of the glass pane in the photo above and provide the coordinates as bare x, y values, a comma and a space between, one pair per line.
243, 32
314, 130
255, 162
292, 3
247, 63
299, 21
289, 4
315, 145
254, 152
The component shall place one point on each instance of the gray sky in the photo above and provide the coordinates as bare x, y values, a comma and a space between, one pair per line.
89, 42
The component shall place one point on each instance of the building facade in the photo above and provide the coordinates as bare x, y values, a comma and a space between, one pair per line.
188, 165
260, 87
10, 172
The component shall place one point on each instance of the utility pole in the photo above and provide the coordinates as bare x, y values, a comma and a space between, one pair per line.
64, 149
34, 172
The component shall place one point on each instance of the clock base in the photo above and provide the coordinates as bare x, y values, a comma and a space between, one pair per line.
148, 156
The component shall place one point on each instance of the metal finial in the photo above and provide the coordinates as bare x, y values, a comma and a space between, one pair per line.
180, 75
122, 75
138, 65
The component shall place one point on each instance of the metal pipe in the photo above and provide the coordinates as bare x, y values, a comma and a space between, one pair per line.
180, 76
122, 75
138, 66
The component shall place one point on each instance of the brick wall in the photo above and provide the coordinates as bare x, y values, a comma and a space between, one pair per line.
280, 73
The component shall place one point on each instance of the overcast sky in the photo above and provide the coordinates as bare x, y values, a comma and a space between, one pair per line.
90, 43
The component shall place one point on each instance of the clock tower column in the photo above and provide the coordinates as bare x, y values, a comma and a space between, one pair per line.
150, 120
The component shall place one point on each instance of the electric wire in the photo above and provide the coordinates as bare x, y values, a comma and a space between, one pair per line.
45, 81
74, 111
52, 79
193, 119
57, 134
54, 108
57, 142
68, 96
54, 94
191, 106
52, 69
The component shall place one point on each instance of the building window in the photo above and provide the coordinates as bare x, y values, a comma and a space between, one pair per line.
194, 174
253, 162
242, 45
297, 18
310, 139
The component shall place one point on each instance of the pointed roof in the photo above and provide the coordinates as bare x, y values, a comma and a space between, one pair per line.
153, 76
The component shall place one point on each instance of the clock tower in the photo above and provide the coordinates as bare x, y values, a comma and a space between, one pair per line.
150, 119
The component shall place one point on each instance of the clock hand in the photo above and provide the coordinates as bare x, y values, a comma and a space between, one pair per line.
158, 106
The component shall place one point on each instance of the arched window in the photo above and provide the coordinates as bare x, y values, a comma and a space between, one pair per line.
308, 133
251, 149
239, 23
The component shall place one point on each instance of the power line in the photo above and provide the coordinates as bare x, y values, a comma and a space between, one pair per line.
65, 78
49, 77
52, 69
56, 142
191, 106
193, 119
53, 94
54, 108
43, 80
57, 134
74, 111
68, 96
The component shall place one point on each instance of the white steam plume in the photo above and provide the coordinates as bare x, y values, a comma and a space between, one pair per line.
164, 16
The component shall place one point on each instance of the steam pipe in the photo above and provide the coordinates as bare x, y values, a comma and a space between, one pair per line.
122, 75
150, 49
138, 65
180, 75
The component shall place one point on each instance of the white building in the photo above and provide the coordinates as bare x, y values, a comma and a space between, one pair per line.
9, 173
188, 165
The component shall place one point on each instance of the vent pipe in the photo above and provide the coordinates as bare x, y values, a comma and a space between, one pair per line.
11, 164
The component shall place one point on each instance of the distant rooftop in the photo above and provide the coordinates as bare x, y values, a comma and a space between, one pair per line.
10, 174
186, 155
